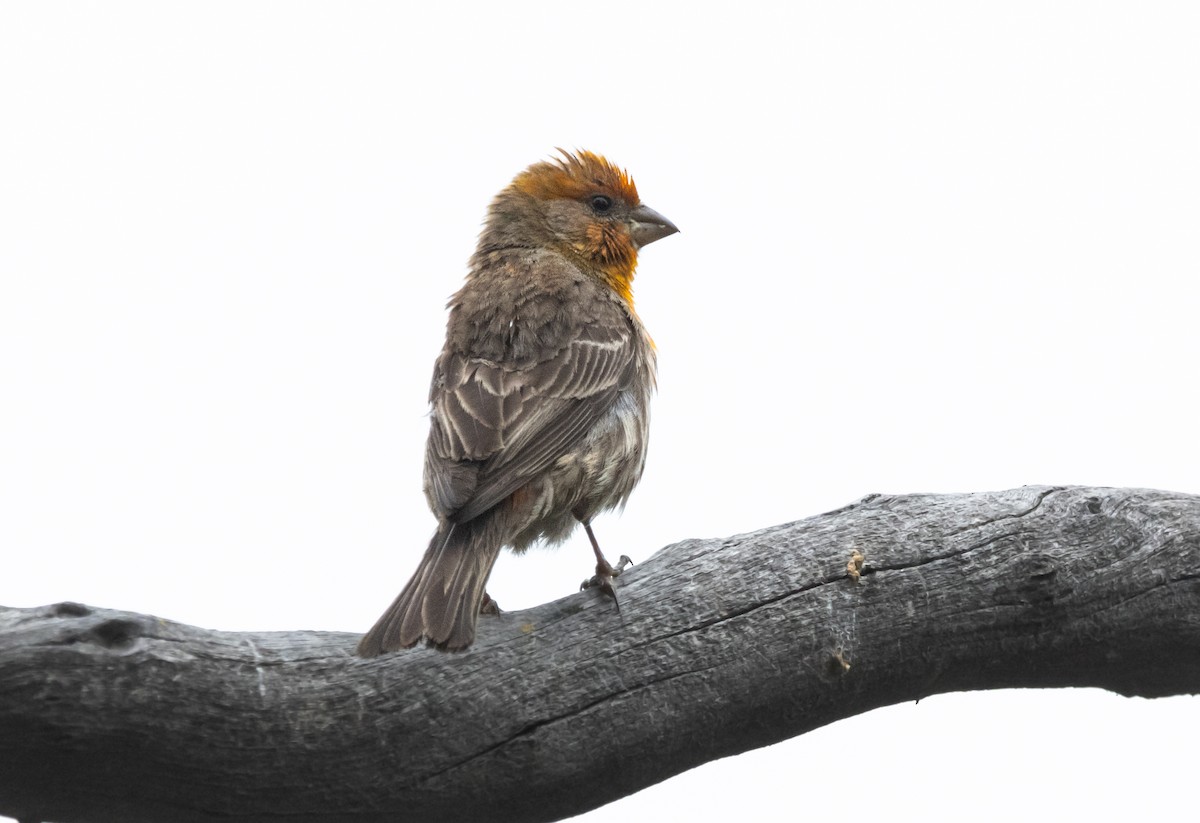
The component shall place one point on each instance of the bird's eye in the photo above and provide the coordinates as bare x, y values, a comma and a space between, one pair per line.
601, 204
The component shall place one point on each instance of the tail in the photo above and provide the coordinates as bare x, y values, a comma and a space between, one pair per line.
441, 602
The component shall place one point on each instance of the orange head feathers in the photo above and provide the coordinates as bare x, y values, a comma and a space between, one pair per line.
575, 176
583, 207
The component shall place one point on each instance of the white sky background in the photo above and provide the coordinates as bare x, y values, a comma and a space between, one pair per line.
925, 247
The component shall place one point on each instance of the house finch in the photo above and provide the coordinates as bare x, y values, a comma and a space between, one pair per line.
540, 397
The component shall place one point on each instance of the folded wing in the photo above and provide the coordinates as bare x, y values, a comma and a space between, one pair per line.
496, 425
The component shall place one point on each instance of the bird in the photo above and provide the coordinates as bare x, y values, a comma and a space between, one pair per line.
540, 398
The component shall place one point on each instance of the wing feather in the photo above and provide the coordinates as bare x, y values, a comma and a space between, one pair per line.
497, 425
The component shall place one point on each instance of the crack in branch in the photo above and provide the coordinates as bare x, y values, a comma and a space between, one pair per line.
531, 728
1036, 505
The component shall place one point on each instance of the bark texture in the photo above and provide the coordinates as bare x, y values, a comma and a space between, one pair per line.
721, 646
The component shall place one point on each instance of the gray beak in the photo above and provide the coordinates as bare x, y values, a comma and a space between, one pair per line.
646, 225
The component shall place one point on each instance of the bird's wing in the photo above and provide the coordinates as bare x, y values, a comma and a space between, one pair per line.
496, 425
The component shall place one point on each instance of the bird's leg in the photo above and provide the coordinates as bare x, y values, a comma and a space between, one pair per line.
605, 571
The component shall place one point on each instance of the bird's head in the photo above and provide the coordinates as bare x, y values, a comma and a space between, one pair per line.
584, 207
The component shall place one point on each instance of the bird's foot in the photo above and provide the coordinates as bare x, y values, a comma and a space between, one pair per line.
603, 578
489, 605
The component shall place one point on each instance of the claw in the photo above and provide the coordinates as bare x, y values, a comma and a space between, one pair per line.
603, 578
605, 572
489, 605
603, 582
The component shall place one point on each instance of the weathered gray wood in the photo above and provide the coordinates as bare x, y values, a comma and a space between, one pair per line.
720, 646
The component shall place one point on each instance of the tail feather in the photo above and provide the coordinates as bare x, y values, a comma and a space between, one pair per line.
441, 602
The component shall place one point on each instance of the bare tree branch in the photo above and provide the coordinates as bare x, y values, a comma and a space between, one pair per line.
721, 646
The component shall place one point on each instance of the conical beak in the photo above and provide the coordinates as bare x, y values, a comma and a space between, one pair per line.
646, 225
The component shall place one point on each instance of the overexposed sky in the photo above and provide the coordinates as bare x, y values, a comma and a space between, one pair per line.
925, 247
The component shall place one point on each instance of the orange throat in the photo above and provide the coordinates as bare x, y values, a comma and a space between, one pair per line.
615, 258
619, 278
